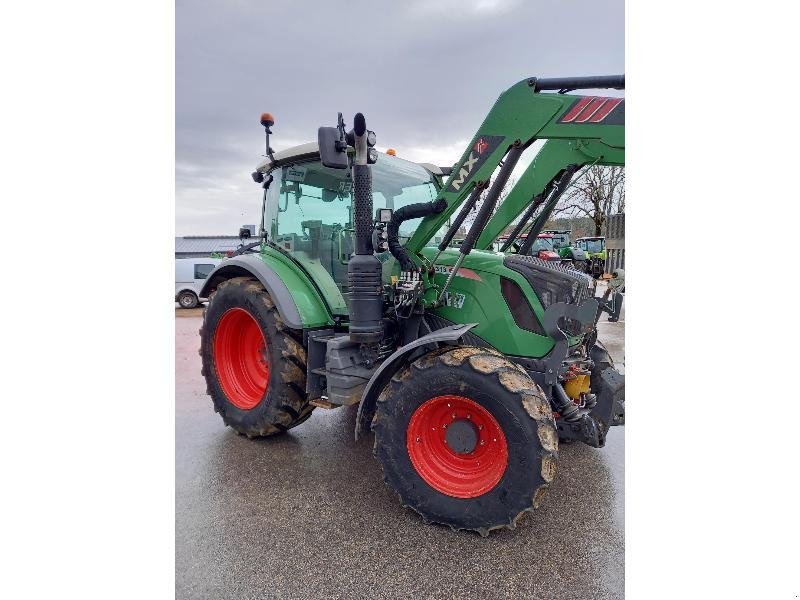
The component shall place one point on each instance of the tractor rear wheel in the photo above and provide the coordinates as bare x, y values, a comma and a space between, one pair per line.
466, 439
254, 366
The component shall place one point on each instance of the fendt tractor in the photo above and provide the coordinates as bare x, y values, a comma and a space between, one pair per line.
542, 246
469, 365
566, 250
596, 254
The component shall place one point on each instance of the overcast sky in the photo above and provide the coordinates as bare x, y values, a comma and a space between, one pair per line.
423, 72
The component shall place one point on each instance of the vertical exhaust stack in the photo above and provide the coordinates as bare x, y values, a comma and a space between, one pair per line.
364, 268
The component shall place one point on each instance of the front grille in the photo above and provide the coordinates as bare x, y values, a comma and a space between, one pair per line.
552, 282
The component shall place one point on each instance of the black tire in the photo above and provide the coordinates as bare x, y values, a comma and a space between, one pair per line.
602, 360
517, 405
284, 404
188, 299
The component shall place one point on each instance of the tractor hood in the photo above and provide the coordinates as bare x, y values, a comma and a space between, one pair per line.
507, 295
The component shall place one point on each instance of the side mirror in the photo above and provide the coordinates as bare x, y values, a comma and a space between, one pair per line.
332, 150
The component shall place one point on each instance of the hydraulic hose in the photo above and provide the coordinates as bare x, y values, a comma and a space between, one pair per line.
486, 210
537, 201
412, 211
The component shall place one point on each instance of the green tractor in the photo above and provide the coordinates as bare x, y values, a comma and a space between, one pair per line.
566, 250
468, 365
595, 249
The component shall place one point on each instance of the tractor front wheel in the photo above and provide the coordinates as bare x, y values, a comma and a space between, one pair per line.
466, 439
254, 366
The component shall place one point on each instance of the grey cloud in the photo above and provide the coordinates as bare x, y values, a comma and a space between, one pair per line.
424, 73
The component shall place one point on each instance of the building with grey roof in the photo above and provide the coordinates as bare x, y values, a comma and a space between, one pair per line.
197, 246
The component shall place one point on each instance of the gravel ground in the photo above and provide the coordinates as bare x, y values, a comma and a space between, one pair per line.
307, 515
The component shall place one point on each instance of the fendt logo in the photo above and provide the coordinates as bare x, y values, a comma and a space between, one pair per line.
477, 156
596, 109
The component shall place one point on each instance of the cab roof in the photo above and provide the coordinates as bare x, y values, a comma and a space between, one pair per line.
311, 149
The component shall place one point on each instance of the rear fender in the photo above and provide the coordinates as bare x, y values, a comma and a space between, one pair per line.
300, 308
390, 366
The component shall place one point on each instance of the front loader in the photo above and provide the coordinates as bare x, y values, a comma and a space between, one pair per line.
467, 364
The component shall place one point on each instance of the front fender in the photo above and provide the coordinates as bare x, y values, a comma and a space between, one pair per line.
379, 379
298, 301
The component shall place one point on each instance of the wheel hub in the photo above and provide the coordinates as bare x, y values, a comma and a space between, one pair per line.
461, 436
241, 358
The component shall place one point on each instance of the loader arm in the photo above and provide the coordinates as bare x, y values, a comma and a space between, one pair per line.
553, 157
585, 127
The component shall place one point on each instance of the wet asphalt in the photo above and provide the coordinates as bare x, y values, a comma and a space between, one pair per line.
307, 515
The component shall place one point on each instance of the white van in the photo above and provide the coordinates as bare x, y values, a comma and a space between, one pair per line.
190, 274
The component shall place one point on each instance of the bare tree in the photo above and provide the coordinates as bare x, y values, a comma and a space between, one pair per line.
597, 192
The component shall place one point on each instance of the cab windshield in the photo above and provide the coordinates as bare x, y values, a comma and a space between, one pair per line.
309, 208
592, 245
542, 244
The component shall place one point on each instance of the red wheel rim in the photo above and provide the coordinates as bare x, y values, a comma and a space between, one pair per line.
461, 474
242, 358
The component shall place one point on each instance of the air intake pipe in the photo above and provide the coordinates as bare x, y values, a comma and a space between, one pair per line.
364, 268
412, 211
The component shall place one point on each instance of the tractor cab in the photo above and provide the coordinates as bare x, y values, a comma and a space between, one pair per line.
544, 247
591, 245
308, 208
561, 238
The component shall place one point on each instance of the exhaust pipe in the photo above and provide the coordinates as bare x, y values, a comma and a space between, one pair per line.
364, 268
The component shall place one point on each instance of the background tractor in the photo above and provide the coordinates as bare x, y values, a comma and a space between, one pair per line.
566, 250
595, 249
468, 365
543, 246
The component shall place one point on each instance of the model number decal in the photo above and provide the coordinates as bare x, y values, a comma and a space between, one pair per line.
462, 272
453, 299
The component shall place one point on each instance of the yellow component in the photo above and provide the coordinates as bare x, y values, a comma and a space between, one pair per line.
391, 152
395, 279
577, 386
